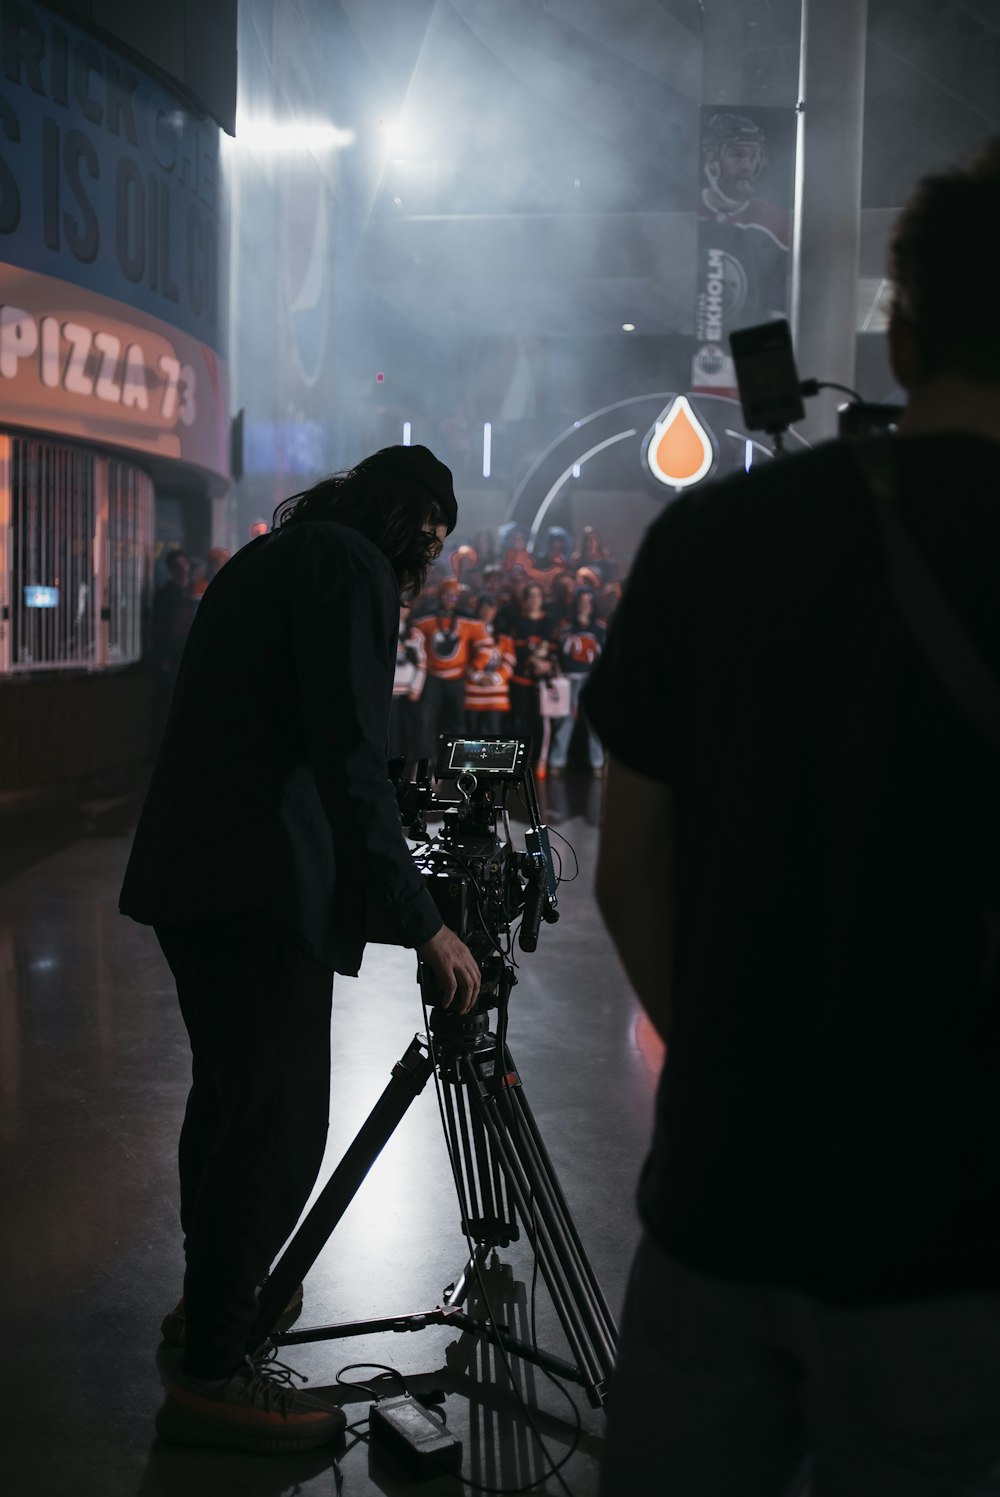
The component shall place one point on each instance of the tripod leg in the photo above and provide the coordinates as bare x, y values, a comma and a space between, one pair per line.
586, 1303
409, 1077
552, 1207
486, 1213
532, 1143
563, 1263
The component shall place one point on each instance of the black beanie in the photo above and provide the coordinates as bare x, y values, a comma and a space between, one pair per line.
418, 467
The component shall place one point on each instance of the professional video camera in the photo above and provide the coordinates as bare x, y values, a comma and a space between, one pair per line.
504, 1178
480, 883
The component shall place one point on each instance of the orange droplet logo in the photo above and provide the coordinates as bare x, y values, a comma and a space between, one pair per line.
679, 452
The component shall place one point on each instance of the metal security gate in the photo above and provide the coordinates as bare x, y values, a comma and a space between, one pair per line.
76, 545
127, 563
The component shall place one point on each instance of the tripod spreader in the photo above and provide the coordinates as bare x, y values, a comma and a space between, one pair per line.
505, 1181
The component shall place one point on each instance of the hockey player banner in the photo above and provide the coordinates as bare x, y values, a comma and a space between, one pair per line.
747, 168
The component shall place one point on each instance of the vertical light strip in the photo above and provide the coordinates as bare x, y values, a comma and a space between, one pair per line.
101, 585
577, 470
149, 542
748, 456
58, 518
406, 433
487, 448
17, 570
6, 559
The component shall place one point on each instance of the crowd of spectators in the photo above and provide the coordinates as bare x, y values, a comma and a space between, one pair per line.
502, 639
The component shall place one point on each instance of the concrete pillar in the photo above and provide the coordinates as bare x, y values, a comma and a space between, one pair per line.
827, 215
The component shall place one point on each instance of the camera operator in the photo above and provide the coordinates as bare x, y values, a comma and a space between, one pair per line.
799, 867
275, 748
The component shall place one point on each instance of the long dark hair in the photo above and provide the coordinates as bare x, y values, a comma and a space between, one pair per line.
578, 597
396, 517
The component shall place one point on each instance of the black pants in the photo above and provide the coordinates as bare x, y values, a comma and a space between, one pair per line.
405, 730
489, 724
527, 716
444, 712
258, 1015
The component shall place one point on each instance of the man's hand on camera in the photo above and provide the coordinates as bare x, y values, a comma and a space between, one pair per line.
454, 968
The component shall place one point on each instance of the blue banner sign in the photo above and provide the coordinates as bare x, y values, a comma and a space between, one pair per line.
107, 180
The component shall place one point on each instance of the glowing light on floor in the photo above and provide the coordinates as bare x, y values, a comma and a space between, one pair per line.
649, 1045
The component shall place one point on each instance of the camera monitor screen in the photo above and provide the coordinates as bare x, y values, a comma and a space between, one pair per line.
497, 756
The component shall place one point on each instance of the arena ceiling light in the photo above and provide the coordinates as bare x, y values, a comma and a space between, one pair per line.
399, 138
275, 137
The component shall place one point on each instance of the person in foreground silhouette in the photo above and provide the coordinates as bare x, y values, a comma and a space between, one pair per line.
799, 865
275, 751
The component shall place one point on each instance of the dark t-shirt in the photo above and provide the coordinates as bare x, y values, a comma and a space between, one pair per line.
829, 1116
527, 635
580, 646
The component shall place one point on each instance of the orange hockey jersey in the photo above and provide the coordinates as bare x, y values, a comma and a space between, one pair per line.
450, 639
490, 670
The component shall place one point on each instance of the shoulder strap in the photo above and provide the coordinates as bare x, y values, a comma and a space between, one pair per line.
948, 650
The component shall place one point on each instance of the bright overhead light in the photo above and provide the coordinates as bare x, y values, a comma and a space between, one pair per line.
399, 139
628, 327
275, 137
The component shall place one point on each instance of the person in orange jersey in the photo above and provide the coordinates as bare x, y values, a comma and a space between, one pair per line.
487, 681
449, 638
521, 564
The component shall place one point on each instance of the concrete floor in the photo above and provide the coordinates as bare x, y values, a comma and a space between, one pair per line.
93, 1078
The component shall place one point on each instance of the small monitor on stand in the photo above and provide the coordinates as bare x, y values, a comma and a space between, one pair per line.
769, 386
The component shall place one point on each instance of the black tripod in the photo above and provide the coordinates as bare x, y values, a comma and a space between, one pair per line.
503, 1173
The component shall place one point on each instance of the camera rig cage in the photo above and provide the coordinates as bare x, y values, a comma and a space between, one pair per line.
480, 883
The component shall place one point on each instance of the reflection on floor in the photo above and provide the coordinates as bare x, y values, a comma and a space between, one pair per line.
93, 1076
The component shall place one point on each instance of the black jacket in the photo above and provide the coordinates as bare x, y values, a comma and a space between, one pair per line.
270, 792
